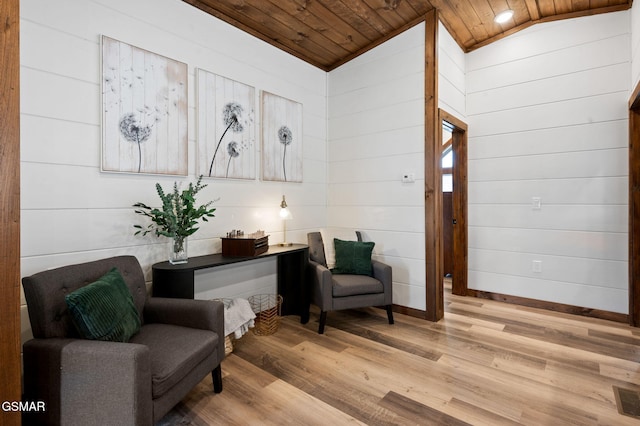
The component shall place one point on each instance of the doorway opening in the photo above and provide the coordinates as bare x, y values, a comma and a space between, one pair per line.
453, 169
634, 208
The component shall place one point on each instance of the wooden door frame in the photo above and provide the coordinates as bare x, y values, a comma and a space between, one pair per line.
634, 208
460, 236
434, 262
11, 371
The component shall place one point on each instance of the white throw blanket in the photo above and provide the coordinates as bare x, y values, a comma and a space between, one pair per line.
238, 317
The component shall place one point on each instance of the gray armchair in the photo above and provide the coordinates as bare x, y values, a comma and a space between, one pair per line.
332, 292
86, 382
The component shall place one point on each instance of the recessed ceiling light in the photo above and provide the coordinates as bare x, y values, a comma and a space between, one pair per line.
503, 17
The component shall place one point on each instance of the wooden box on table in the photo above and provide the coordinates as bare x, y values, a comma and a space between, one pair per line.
241, 247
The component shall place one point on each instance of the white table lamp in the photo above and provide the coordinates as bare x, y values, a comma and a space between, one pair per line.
285, 215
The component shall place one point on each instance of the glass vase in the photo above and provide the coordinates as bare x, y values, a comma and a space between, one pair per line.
178, 250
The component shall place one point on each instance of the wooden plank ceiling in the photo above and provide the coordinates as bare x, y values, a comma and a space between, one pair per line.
328, 33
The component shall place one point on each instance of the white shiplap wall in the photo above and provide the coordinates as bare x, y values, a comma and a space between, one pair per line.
547, 115
451, 75
376, 122
546, 109
376, 133
71, 212
634, 17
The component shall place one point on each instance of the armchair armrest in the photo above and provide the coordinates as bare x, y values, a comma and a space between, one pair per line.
202, 314
383, 273
322, 293
98, 379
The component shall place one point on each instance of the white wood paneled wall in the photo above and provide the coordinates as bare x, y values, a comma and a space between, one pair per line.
376, 122
376, 133
547, 115
452, 81
546, 110
71, 212
635, 45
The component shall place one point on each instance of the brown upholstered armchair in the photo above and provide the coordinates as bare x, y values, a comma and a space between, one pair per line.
331, 292
86, 382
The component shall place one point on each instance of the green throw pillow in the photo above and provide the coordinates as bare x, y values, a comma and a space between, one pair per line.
353, 257
104, 310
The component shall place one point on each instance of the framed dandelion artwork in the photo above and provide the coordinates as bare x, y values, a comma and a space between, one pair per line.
144, 111
226, 129
281, 139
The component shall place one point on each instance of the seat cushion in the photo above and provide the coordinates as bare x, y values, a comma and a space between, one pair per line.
174, 352
353, 285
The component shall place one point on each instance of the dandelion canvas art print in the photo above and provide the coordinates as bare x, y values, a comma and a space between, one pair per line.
144, 100
281, 139
226, 129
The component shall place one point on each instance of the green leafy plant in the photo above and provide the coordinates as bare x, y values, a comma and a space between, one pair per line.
178, 217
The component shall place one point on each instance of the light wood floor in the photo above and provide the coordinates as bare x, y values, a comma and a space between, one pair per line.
486, 363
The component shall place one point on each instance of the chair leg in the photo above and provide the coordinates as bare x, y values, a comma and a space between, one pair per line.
389, 314
323, 320
217, 379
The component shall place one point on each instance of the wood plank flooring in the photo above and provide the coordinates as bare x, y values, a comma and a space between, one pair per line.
485, 363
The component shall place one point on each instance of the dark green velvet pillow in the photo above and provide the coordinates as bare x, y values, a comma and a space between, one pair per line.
104, 310
353, 257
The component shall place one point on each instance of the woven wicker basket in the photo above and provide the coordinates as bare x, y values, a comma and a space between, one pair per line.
228, 340
267, 309
228, 345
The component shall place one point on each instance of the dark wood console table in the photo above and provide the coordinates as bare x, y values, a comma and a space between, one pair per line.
178, 280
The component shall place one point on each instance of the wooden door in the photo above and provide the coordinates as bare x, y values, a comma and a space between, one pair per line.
447, 232
458, 221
